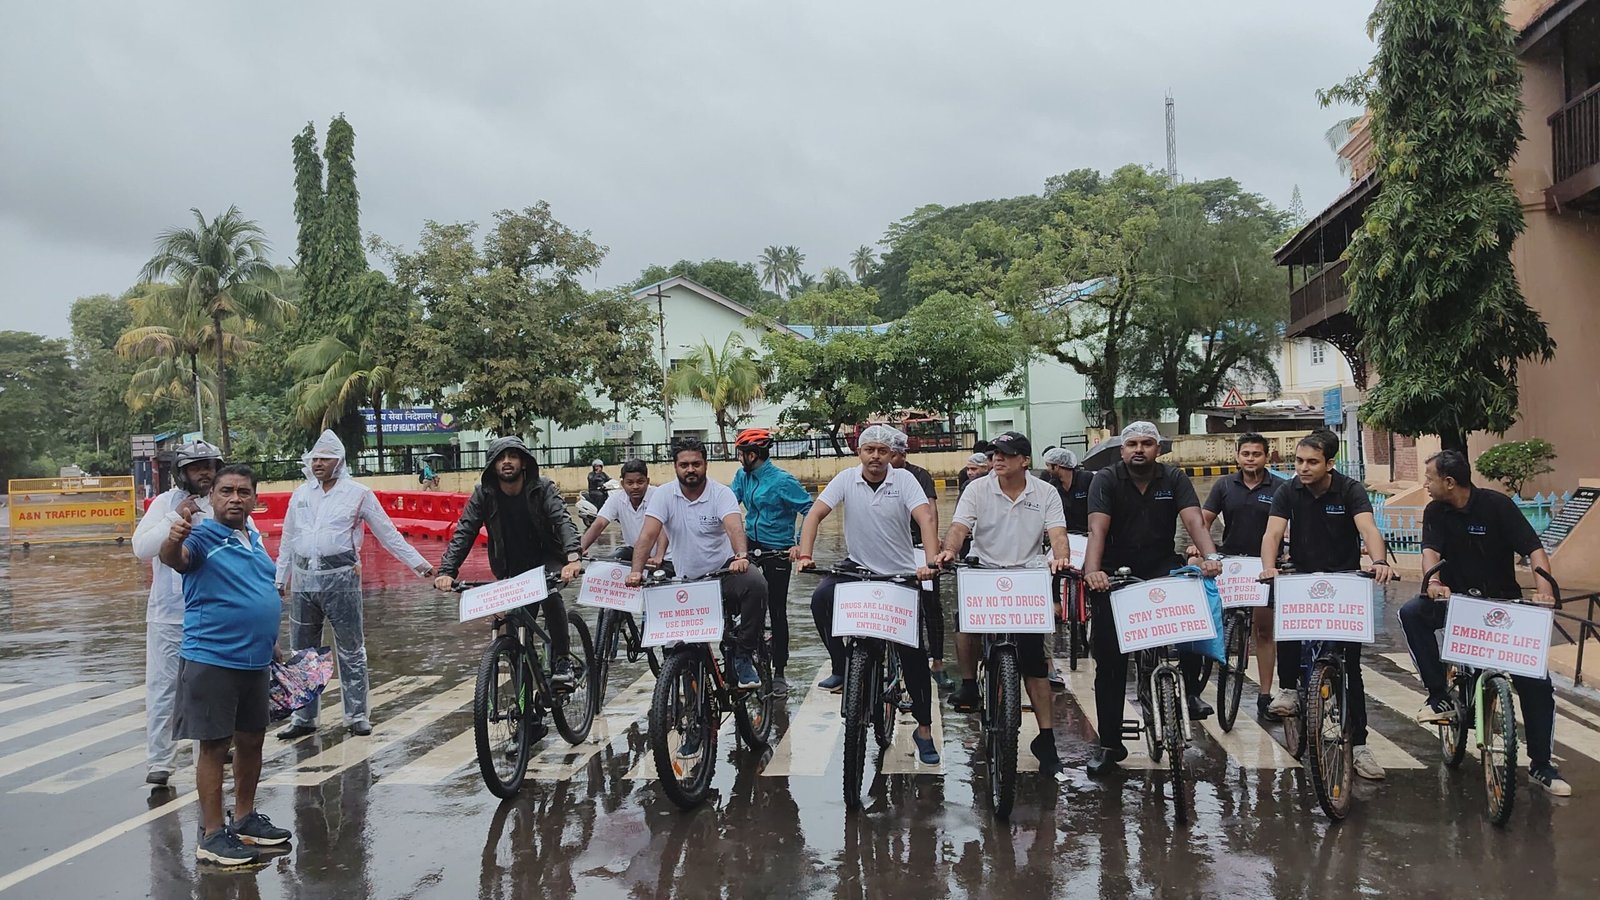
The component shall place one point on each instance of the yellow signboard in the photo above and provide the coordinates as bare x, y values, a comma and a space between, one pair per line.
58, 510
65, 514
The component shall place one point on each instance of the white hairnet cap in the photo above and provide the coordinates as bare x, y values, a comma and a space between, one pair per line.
328, 446
1061, 456
1141, 429
879, 434
978, 459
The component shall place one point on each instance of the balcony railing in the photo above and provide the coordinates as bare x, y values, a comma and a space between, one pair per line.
1575, 134
1321, 297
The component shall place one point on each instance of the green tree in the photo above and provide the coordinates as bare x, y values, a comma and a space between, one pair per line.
509, 337
850, 305
727, 379
793, 265
945, 353
834, 278
734, 280
914, 238
1215, 313
220, 271
168, 341
1432, 285
34, 372
862, 262
775, 268
830, 381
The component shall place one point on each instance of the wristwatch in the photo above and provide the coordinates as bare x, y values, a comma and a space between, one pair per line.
1213, 557
573, 557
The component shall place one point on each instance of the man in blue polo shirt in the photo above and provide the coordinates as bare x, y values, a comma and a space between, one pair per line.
230, 630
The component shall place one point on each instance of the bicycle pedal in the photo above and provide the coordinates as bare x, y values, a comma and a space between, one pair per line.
1132, 729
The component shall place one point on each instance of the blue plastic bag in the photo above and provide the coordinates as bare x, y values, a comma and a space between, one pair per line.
1214, 647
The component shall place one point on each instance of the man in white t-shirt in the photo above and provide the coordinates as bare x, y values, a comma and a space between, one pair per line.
706, 532
627, 508
878, 496
1007, 514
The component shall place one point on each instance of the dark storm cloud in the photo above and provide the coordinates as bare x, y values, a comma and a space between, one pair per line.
668, 129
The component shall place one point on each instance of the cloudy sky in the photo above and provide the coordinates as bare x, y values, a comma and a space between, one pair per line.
669, 129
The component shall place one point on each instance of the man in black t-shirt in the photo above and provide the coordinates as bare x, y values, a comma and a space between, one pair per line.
1072, 483
1243, 500
1478, 534
1330, 518
1134, 510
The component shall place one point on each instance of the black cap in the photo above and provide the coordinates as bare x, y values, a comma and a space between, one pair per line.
1013, 443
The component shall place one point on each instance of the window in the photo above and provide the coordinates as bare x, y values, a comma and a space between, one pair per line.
1319, 353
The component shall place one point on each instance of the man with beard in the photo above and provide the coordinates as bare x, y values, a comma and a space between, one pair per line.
1134, 510
189, 500
528, 527
704, 529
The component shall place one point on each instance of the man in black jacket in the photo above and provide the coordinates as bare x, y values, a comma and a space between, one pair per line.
528, 527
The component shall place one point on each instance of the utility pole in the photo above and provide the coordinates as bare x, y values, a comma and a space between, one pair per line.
661, 325
1172, 142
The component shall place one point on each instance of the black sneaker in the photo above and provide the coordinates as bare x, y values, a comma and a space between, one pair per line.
1547, 777
1199, 709
1262, 702
291, 731
690, 747
1437, 711
1103, 759
965, 698
157, 778
360, 729
223, 848
258, 829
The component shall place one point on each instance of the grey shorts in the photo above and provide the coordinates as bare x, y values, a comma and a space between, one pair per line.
214, 702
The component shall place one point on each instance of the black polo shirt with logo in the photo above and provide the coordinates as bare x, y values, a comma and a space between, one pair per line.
1143, 525
1479, 542
1244, 511
924, 481
1322, 530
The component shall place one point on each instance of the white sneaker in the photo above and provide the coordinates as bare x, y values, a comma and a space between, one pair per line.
1366, 765
1286, 704
1436, 712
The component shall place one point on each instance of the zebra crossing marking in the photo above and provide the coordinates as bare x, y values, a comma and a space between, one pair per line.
561, 761
818, 724
48, 694
351, 751
7, 687
68, 713
1388, 754
61, 746
1080, 685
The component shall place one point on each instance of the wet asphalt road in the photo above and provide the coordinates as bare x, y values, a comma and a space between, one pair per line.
404, 814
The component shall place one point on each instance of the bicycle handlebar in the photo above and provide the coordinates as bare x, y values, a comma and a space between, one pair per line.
550, 581
1537, 570
860, 574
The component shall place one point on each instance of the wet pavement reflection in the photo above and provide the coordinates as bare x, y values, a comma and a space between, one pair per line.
404, 813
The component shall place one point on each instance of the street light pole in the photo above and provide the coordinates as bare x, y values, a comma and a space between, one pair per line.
661, 324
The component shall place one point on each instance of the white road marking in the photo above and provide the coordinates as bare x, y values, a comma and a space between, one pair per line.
902, 756
70, 712
12, 763
1389, 754
814, 730
48, 694
386, 733
1080, 685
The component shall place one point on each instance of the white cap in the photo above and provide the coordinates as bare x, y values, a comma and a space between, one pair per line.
1061, 456
879, 434
978, 459
1141, 429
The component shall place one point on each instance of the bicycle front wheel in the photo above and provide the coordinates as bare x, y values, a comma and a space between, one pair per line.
573, 710
1499, 748
501, 704
1230, 676
683, 736
886, 699
753, 709
1328, 739
1453, 735
859, 671
1172, 741
1002, 720
606, 639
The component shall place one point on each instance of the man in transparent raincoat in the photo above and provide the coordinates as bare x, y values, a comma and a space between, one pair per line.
319, 573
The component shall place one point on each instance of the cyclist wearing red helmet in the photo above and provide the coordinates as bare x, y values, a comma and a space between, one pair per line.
772, 500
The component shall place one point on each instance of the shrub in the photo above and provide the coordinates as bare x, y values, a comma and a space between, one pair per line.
1514, 462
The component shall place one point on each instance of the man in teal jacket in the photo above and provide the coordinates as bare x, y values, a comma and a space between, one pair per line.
772, 500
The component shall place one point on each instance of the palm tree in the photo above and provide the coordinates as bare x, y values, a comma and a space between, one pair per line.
773, 269
1338, 135
220, 271
170, 340
862, 261
793, 259
340, 377
727, 380
834, 278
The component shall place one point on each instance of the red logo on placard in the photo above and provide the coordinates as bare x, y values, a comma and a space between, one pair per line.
682, 596
1322, 590
1003, 583
1158, 595
877, 593
1235, 568
1497, 618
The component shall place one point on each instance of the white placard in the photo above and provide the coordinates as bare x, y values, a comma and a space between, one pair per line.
876, 610
1078, 544
1161, 611
499, 596
1009, 601
605, 586
1324, 608
691, 613
1238, 582
1486, 634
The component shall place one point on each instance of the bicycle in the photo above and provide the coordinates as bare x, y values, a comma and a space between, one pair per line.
1320, 724
873, 688
1000, 710
617, 631
1073, 612
504, 713
1485, 702
1163, 708
1237, 624
694, 694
